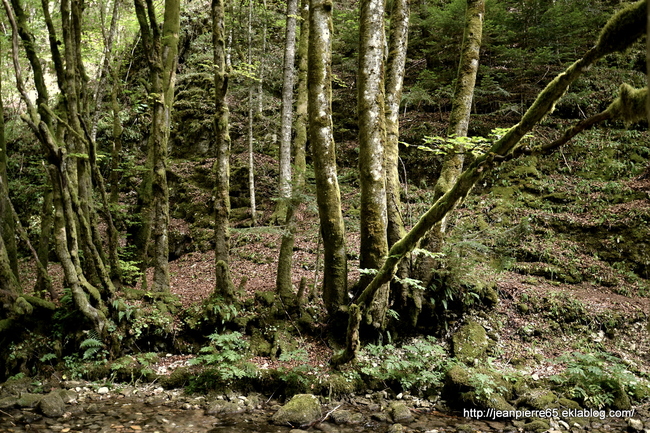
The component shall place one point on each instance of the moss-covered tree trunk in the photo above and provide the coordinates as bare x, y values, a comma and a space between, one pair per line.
458, 126
621, 31
321, 138
286, 114
221, 169
395, 64
372, 137
284, 284
7, 224
162, 56
301, 118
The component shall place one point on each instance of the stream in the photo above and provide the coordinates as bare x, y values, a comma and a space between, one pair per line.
155, 410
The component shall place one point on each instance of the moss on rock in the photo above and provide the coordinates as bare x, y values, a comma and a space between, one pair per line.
470, 342
302, 409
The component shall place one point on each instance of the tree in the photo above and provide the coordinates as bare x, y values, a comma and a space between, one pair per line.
286, 114
458, 125
623, 29
372, 136
395, 63
221, 168
68, 171
7, 224
328, 196
162, 51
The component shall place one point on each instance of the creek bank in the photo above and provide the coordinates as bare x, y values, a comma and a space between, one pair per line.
76, 406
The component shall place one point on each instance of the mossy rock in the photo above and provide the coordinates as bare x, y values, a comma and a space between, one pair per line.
29, 400
399, 412
540, 399
179, 378
302, 409
52, 405
470, 342
259, 346
537, 426
566, 403
465, 387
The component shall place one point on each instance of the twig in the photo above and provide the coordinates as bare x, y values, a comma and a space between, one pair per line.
5, 413
318, 421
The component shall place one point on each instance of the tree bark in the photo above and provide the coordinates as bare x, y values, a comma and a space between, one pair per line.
251, 161
301, 119
223, 283
458, 126
7, 224
372, 136
163, 53
395, 64
328, 196
286, 116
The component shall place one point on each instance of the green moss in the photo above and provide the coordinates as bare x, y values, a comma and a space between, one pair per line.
39, 302
623, 29
537, 426
470, 342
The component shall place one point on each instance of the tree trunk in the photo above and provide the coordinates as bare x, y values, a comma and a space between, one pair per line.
372, 136
163, 52
7, 224
301, 120
223, 283
459, 118
284, 185
251, 161
395, 63
328, 196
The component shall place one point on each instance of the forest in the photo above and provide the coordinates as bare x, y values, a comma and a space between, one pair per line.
444, 203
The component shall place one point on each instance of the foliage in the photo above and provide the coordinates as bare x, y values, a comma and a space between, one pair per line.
598, 379
225, 359
417, 367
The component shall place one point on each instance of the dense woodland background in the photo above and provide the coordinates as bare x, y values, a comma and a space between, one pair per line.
96, 161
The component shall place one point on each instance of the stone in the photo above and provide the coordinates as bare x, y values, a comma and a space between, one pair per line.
395, 428
219, 407
8, 402
302, 409
103, 390
52, 405
29, 400
537, 426
634, 425
400, 412
470, 342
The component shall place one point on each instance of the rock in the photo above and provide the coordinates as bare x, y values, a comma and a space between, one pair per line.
346, 417
52, 405
219, 407
103, 390
300, 410
8, 402
68, 396
400, 412
634, 425
29, 400
537, 426
395, 428
470, 342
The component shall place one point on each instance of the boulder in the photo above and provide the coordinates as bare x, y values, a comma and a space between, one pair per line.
52, 405
302, 409
470, 342
399, 412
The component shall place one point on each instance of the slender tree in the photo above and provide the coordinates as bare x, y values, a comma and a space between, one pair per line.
221, 168
458, 126
286, 115
395, 64
162, 52
321, 138
285, 210
251, 139
372, 137
7, 224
